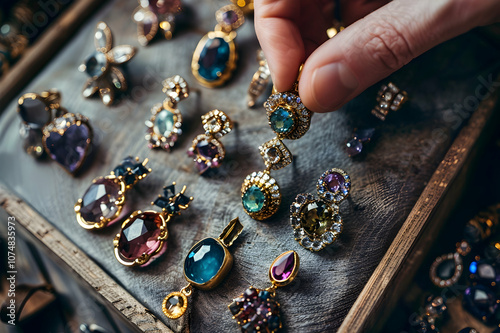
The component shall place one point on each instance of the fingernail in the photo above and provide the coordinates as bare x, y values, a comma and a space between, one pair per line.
332, 84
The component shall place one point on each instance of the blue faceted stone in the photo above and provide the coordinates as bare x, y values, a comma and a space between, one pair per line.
281, 120
213, 58
96, 64
204, 261
164, 123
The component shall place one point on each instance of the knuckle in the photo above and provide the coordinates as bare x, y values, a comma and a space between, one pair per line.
389, 47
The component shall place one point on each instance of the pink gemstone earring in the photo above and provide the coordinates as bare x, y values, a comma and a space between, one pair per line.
256, 310
153, 16
143, 235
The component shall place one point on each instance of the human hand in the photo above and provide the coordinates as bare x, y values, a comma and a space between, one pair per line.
292, 32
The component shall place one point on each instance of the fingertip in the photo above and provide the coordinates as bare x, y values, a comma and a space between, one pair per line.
326, 87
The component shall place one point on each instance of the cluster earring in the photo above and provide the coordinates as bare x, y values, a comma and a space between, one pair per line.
289, 119
207, 150
164, 126
206, 265
47, 127
256, 310
103, 202
102, 66
143, 235
155, 15
260, 80
214, 59
317, 222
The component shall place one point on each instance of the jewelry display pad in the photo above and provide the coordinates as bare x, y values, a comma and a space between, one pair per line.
444, 85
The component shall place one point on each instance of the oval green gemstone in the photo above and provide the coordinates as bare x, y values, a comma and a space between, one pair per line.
164, 123
316, 218
281, 120
253, 199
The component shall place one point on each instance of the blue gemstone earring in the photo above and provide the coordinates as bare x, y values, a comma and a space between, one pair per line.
214, 59
206, 265
164, 126
289, 119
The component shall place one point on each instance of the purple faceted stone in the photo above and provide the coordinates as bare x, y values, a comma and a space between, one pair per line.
283, 267
230, 17
202, 166
364, 135
481, 302
335, 181
99, 200
69, 149
206, 150
353, 147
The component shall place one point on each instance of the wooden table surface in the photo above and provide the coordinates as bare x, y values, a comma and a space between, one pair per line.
387, 181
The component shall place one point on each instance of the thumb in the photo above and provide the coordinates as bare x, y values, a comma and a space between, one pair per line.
381, 43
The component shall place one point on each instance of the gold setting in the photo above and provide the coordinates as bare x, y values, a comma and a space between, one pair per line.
176, 89
389, 98
245, 5
275, 154
227, 33
260, 80
110, 79
271, 190
225, 239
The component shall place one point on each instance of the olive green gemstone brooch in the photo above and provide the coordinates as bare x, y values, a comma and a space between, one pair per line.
164, 126
317, 222
206, 265
289, 119
256, 310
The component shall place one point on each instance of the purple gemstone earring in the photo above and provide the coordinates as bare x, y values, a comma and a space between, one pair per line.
256, 310
317, 222
207, 150
103, 202
47, 127
143, 235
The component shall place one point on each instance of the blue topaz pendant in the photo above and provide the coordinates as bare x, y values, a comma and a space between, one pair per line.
317, 222
214, 59
207, 150
164, 126
256, 310
103, 202
143, 236
206, 265
49, 128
